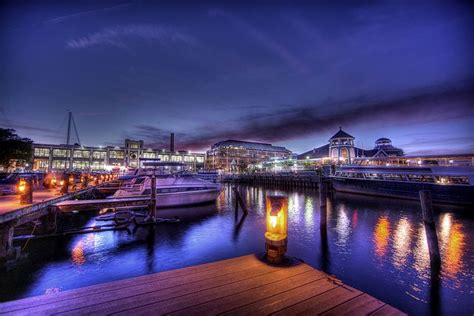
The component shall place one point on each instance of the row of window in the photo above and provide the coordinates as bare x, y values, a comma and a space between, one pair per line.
409, 177
113, 154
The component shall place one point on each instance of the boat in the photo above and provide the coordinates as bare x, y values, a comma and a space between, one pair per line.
171, 190
448, 185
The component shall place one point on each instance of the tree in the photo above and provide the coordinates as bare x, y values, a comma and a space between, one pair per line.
13, 146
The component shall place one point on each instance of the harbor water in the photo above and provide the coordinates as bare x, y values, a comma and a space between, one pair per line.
374, 244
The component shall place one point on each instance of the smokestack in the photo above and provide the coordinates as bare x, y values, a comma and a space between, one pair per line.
172, 142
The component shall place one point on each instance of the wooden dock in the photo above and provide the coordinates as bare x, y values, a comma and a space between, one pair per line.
238, 286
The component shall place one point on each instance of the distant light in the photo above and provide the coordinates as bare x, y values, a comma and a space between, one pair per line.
451, 161
419, 162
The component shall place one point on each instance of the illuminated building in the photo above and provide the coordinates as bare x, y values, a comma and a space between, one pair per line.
341, 149
48, 157
236, 155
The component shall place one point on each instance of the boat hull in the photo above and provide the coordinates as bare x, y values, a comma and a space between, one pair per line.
444, 194
177, 199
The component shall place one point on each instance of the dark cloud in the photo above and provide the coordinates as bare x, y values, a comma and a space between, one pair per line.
285, 123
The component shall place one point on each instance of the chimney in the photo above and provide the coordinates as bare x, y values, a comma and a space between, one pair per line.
172, 142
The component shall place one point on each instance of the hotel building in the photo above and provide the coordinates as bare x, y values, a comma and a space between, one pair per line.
47, 157
236, 155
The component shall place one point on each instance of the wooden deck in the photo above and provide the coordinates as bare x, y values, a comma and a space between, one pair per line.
237, 286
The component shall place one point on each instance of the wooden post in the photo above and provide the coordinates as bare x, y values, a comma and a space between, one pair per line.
323, 192
239, 200
65, 186
430, 228
153, 196
6, 243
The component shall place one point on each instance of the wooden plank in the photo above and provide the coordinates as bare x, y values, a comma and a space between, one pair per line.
387, 310
292, 296
185, 301
257, 297
243, 285
158, 294
321, 303
358, 306
125, 284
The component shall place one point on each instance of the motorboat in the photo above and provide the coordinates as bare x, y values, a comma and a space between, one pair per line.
171, 190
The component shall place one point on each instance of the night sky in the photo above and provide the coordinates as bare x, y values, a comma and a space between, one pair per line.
287, 73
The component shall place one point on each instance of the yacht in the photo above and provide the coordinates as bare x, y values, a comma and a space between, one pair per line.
171, 190
448, 185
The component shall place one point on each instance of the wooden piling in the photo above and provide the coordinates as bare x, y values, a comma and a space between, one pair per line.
239, 200
323, 192
153, 197
430, 227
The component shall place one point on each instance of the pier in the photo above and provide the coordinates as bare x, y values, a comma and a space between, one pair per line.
14, 214
243, 285
309, 179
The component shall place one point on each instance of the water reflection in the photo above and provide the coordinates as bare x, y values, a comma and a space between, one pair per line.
343, 228
401, 243
381, 235
361, 231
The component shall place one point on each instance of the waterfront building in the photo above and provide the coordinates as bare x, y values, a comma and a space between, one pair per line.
341, 150
237, 155
49, 157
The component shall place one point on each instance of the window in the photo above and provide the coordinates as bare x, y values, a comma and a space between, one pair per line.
60, 164
116, 154
134, 146
188, 158
41, 152
80, 165
149, 155
200, 159
98, 165
176, 158
81, 154
99, 154
41, 164
60, 153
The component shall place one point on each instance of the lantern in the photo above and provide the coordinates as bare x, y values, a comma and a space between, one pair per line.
61, 183
22, 186
53, 182
25, 190
277, 228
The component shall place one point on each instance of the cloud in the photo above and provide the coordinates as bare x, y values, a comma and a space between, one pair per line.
432, 105
118, 35
84, 13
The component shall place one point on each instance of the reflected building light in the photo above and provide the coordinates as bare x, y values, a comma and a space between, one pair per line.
381, 236
421, 253
453, 251
308, 212
77, 254
401, 243
445, 227
343, 227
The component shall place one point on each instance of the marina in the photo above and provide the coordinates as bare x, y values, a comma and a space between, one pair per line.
239, 158
382, 239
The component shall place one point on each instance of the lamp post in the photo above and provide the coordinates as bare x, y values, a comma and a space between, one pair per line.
26, 191
276, 235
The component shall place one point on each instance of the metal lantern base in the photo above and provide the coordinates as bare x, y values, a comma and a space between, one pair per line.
275, 250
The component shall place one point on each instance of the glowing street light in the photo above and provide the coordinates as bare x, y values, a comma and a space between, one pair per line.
276, 235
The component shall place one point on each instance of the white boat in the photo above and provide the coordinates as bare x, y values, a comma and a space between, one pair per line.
171, 190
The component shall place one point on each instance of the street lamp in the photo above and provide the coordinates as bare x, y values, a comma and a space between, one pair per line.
276, 235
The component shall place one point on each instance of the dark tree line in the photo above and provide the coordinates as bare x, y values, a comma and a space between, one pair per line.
13, 146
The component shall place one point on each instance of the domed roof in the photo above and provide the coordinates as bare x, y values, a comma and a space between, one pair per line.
383, 140
341, 134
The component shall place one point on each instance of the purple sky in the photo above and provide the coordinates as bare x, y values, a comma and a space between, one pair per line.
289, 74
